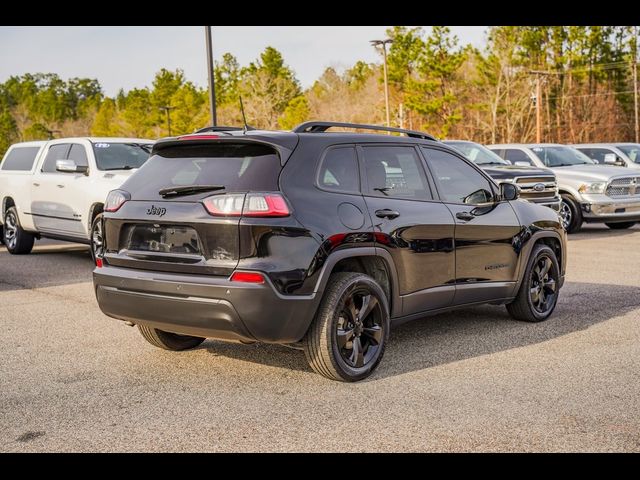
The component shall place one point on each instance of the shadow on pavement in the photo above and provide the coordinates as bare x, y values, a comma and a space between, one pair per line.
590, 232
464, 333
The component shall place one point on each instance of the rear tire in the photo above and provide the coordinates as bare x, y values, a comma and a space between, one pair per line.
340, 343
570, 214
620, 226
17, 240
167, 340
97, 238
538, 294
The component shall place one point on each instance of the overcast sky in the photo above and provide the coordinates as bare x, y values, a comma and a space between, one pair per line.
128, 57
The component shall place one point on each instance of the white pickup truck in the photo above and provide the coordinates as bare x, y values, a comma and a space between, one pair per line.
57, 189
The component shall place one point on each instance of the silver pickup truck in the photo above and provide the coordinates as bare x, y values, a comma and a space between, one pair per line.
590, 192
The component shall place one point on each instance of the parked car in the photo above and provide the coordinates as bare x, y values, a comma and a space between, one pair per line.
538, 185
590, 192
57, 189
318, 240
618, 154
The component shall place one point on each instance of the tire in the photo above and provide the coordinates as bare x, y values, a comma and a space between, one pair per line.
167, 340
526, 306
1, 236
338, 320
17, 241
97, 238
620, 226
570, 214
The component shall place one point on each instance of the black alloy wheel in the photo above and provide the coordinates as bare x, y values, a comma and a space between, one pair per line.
359, 329
544, 285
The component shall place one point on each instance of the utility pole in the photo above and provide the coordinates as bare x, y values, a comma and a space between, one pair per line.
383, 43
538, 109
166, 110
212, 85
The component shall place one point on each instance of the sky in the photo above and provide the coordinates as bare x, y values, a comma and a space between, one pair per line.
129, 57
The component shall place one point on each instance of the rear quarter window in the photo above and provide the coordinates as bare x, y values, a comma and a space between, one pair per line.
20, 159
339, 170
238, 167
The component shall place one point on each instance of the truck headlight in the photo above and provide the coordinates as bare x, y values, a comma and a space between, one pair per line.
597, 187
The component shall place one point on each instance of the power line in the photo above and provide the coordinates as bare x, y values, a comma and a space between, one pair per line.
591, 94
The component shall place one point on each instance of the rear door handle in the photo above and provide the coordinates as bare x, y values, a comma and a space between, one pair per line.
60, 185
386, 213
36, 184
466, 216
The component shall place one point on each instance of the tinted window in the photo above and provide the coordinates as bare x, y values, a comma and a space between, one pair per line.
632, 151
20, 159
516, 156
78, 154
339, 170
238, 167
458, 182
121, 156
56, 152
395, 172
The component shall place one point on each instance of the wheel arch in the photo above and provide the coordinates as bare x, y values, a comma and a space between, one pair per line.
552, 240
371, 261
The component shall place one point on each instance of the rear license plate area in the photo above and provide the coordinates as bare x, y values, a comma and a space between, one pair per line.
163, 239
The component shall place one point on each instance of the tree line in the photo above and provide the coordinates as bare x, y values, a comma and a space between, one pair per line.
435, 84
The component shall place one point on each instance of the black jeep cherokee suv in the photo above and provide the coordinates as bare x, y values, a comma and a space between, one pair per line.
318, 240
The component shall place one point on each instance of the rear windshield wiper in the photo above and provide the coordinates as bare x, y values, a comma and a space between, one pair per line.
188, 190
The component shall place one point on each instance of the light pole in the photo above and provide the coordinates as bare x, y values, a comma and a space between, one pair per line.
166, 109
212, 84
383, 43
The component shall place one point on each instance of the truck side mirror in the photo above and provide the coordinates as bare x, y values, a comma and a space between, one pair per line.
70, 166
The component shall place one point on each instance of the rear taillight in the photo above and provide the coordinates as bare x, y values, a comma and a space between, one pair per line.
115, 200
247, 277
249, 205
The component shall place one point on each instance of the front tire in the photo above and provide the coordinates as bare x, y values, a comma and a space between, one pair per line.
167, 340
570, 214
620, 226
348, 336
538, 294
17, 240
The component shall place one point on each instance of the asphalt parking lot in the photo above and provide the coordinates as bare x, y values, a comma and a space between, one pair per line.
72, 379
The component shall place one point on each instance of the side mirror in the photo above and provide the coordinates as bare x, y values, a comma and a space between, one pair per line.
69, 166
509, 191
522, 164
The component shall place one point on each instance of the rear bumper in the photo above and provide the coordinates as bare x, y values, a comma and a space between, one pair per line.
203, 306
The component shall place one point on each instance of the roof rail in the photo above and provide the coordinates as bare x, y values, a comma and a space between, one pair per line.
319, 127
221, 129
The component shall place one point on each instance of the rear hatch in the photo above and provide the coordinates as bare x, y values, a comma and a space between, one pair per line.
185, 205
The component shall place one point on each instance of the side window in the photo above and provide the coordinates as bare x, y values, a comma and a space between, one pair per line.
514, 156
458, 182
78, 154
339, 170
395, 172
20, 159
56, 152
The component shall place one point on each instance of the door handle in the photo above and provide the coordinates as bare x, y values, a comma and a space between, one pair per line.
386, 213
36, 184
466, 216
60, 185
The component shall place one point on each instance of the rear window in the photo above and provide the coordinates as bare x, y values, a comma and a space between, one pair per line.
238, 167
20, 159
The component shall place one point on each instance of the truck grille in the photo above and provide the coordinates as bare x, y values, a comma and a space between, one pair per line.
537, 188
623, 187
